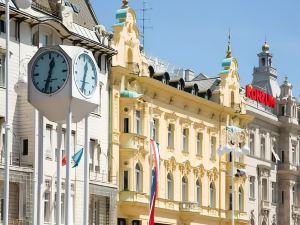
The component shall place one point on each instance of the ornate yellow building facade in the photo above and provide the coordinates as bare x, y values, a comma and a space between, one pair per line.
194, 183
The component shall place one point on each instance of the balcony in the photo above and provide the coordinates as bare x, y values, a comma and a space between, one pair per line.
133, 141
133, 196
239, 215
14, 158
102, 177
296, 210
265, 205
189, 207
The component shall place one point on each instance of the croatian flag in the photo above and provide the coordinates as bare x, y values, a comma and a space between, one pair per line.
153, 194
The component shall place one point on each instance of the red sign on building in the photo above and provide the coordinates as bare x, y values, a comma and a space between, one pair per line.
260, 96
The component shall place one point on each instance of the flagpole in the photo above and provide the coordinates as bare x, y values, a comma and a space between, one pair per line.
35, 169
232, 180
7, 125
59, 165
151, 156
68, 206
40, 203
86, 173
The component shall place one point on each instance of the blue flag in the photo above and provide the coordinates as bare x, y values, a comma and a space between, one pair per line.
77, 157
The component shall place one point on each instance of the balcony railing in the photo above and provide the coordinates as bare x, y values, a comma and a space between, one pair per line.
132, 141
296, 209
14, 158
189, 207
265, 205
102, 177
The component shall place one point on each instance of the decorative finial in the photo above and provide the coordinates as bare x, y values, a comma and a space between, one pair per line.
286, 78
228, 55
265, 47
125, 3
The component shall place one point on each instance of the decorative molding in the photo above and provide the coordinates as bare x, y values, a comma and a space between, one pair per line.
185, 167
199, 171
212, 174
170, 164
171, 117
186, 121
198, 126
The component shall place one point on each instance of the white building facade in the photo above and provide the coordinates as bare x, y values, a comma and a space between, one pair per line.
49, 23
273, 164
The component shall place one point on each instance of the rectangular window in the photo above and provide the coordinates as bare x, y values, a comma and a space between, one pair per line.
2, 70
274, 192
171, 136
2, 26
294, 157
138, 122
199, 144
154, 130
98, 109
265, 189
125, 181
185, 140
263, 148
230, 201
282, 156
25, 146
47, 206
121, 221
92, 151
136, 222
252, 187
49, 141
251, 144
2, 209
282, 197
126, 125
213, 143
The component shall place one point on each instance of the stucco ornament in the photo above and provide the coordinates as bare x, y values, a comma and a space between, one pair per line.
185, 167
212, 174
170, 164
199, 171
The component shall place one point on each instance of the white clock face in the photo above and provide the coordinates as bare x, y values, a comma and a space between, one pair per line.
85, 75
50, 72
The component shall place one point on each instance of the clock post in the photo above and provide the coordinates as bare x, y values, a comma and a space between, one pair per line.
63, 86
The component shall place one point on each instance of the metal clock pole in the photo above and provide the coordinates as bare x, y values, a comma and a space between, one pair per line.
7, 125
58, 188
86, 173
69, 207
40, 205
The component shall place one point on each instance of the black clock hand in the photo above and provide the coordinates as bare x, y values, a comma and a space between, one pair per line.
51, 65
84, 77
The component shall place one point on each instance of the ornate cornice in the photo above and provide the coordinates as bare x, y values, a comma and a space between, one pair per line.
171, 117
186, 121
198, 126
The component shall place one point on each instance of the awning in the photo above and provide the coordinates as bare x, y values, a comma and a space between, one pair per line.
275, 155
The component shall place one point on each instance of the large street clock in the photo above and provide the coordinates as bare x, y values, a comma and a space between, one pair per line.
62, 79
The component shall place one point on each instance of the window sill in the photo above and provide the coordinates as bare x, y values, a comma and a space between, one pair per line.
199, 156
252, 199
171, 149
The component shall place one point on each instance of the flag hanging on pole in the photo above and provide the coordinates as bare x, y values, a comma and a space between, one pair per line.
75, 158
153, 194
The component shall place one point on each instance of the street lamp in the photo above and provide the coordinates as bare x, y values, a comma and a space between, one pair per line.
234, 137
21, 4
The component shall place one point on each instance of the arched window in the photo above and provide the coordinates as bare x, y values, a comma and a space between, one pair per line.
212, 196
198, 192
170, 186
138, 178
241, 199
184, 189
263, 61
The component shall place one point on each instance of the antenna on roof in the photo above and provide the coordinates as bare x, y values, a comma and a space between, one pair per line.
144, 9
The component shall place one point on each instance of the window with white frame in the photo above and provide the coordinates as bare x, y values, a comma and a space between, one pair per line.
185, 139
265, 189
138, 178
49, 141
92, 152
47, 201
138, 122
198, 192
252, 187
212, 191
2, 70
213, 145
170, 186
274, 192
294, 154
241, 199
171, 136
154, 129
294, 195
251, 144
184, 189
199, 143
262, 147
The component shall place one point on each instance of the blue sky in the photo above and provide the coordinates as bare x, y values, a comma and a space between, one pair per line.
193, 33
